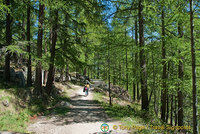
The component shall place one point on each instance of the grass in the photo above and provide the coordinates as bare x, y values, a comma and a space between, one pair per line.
16, 118
10, 121
133, 116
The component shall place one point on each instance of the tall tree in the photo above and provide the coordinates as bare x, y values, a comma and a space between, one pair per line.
109, 88
8, 42
136, 58
38, 77
29, 74
180, 76
53, 45
143, 76
194, 86
164, 74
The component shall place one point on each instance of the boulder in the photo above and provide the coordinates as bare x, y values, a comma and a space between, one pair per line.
6, 103
20, 78
12, 74
73, 78
25, 72
63, 104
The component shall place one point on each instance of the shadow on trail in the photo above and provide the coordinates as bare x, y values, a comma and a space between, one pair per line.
83, 111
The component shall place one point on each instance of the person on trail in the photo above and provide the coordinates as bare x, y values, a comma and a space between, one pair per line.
86, 88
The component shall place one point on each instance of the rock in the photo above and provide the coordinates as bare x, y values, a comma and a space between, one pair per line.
60, 91
21, 79
65, 104
12, 74
5, 103
73, 79
25, 71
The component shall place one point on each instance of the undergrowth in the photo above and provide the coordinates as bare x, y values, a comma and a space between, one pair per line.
133, 117
15, 118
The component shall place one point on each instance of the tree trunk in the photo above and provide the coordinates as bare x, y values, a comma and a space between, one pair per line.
67, 72
29, 66
8, 42
126, 69
45, 76
175, 110
134, 66
38, 79
120, 73
145, 104
154, 86
194, 87
172, 109
51, 73
164, 74
98, 68
167, 108
180, 87
110, 101
114, 74
61, 75
136, 60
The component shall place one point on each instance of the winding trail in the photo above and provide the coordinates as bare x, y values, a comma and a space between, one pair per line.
85, 117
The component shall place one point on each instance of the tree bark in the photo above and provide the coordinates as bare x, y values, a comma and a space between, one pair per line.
180, 87
164, 74
8, 42
114, 74
110, 101
134, 67
51, 73
175, 110
145, 104
194, 87
120, 73
126, 69
98, 67
29, 66
67, 72
136, 60
38, 79
172, 109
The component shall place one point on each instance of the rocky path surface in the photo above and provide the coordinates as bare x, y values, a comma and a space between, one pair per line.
84, 117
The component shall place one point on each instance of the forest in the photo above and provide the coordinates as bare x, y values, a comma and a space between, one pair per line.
147, 48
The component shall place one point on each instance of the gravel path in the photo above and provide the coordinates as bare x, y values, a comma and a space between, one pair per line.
85, 117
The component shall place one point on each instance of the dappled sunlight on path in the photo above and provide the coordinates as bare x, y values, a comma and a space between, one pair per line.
84, 117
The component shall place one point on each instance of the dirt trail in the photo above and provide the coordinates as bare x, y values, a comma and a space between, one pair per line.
85, 117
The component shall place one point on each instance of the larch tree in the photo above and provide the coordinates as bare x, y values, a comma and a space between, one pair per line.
143, 73
194, 84
38, 76
8, 42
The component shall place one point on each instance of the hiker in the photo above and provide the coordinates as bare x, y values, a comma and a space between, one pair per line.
86, 88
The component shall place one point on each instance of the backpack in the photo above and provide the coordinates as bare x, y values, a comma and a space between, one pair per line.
84, 89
